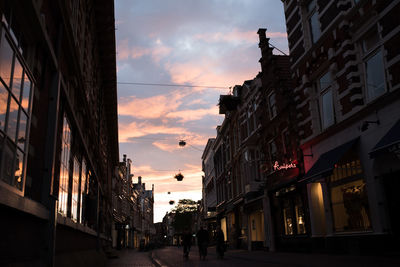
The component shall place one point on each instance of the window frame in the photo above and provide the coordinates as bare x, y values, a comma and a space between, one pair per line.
272, 109
23, 103
323, 91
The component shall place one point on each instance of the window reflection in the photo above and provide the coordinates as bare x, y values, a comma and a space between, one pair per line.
19, 168
288, 218
22, 130
6, 56
17, 80
12, 119
26, 92
75, 190
64, 168
3, 106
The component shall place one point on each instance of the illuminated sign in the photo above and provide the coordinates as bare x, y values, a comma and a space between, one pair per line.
284, 166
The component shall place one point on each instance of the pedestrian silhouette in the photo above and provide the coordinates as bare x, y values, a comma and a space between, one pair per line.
202, 242
186, 242
220, 238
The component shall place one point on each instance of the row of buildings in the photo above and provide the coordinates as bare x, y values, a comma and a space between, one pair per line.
133, 209
308, 155
64, 195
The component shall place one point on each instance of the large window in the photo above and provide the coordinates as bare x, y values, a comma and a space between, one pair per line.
374, 67
313, 21
326, 101
75, 190
15, 98
272, 106
349, 197
64, 167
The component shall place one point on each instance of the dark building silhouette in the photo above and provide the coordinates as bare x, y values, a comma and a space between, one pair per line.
58, 130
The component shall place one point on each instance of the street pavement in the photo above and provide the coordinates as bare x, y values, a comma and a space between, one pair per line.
130, 258
173, 257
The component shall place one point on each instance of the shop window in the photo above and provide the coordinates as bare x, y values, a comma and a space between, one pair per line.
349, 198
288, 217
15, 98
64, 167
299, 212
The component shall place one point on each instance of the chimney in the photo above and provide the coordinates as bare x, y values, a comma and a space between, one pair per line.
263, 37
124, 158
139, 180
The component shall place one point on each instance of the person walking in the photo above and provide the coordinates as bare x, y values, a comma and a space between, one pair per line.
202, 242
186, 242
220, 238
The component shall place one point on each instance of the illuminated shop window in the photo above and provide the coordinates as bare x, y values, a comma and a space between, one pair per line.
288, 217
299, 211
15, 101
64, 167
349, 198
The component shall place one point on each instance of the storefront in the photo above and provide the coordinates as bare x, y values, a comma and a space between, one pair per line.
254, 217
287, 201
338, 198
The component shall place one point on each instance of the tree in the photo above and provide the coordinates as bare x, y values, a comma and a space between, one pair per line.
184, 211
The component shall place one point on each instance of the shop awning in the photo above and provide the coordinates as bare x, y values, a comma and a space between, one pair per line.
391, 140
326, 162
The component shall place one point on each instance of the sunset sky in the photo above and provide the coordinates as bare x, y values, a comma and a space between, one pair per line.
211, 43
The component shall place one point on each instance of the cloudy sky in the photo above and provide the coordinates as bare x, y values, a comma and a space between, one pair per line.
207, 43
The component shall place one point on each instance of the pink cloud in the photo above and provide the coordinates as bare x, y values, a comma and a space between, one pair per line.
193, 114
134, 129
157, 51
150, 107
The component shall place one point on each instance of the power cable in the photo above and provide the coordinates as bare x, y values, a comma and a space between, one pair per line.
173, 85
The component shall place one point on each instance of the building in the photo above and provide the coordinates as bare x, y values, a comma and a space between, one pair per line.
209, 189
144, 218
345, 63
58, 130
285, 200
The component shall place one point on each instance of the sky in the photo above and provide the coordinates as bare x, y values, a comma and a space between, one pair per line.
190, 43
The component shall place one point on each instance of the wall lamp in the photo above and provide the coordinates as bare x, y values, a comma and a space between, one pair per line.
365, 125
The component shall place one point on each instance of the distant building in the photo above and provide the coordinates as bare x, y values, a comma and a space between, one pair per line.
58, 130
144, 219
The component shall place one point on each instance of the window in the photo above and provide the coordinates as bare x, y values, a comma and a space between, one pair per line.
272, 106
375, 76
83, 190
64, 168
15, 98
75, 190
326, 100
348, 195
272, 150
300, 218
313, 21
374, 66
287, 217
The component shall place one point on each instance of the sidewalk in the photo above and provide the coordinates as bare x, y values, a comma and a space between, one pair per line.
130, 258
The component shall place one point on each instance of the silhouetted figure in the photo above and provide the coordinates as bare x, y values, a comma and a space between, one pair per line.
202, 242
220, 238
187, 243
